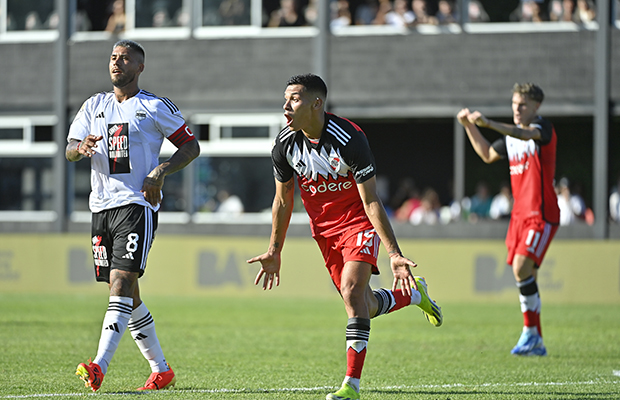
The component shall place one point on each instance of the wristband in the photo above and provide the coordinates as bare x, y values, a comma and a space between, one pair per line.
395, 253
78, 146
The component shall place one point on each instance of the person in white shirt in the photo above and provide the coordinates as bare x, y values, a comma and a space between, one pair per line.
122, 132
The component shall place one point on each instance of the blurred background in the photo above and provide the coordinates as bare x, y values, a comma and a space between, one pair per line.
401, 69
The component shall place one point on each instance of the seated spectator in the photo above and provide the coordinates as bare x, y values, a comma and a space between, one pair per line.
366, 12
32, 22
586, 11
385, 7
447, 13
406, 191
501, 205
480, 202
400, 15
428, 211
229, 203
476, 12
234, 12
572, 206
116, 22
311, 12
287, 15
341, 15
529, 11
420, 13
614, 203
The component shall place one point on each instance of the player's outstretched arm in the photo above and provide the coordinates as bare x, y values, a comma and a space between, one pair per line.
482, 147
281, 211
401, 266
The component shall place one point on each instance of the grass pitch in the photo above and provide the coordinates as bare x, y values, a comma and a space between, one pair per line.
272, 348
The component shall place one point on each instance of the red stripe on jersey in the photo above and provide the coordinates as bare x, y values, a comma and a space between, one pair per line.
181, 136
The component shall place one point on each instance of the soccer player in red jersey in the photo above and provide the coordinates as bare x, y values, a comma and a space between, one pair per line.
530, 146
335, 172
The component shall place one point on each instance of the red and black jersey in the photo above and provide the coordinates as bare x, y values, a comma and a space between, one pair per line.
327, 172
532, 171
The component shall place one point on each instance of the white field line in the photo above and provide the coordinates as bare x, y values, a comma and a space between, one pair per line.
324, 388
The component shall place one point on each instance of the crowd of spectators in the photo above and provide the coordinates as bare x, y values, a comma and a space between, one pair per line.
410, 205
109, 15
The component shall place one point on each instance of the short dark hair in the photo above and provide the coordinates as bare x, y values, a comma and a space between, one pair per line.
131, 45
312, 83
530, 90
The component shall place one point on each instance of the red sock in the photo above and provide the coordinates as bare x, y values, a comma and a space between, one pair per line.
355, 362
402, 300
531, 319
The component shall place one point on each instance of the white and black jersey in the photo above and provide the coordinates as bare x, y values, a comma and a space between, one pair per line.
133, 132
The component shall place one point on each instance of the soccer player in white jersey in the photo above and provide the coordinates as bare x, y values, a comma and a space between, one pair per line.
336, 174
530, 147
122, 132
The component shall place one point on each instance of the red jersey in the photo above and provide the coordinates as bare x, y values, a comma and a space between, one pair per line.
327, 172
532, 171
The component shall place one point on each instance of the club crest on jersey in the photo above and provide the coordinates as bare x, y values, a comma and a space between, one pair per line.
140, 115
334, 162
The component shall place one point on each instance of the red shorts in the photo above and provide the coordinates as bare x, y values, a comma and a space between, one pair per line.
529, 237
352, 245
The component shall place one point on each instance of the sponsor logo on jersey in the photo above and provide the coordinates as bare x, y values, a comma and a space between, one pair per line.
100, 115
118, 148
363, 172
140, 115
325, 187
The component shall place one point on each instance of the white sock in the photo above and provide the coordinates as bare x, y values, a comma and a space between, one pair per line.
353, 382
114, 326
142, 328
416, 297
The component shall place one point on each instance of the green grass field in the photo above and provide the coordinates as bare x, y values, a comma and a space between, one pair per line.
267, 347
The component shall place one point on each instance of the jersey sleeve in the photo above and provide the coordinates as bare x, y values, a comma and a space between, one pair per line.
80, 127
361, 160
171, 124
500, 147
545, 128
282, 170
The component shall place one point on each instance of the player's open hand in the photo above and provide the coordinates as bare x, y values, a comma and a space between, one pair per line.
270, 269
401, 268
151, 189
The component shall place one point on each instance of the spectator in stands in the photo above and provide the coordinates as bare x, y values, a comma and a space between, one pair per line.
428, 211
287, 15
480, 202
586, 11
501, 205
234, 12
116, 22
446, 13
572, 205
476, 12
32, 22
229, 204
529, 11
420, 12
614, 202
403, 213
311, 12
341, 14
400, 15
366, 12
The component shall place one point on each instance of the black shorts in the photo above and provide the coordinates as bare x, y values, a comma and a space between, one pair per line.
122, 238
